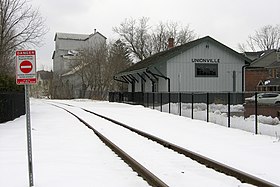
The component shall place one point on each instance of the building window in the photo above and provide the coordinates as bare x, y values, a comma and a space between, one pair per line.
206, 70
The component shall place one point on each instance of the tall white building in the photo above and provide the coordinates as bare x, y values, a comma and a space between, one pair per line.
67, 47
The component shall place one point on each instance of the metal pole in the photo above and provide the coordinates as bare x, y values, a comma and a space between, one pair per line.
180, 104
229, 109
143, 99
28, 130
207, 107
192, 104
120, 97
169, 100
148, 100
161, 102
256, 113
153, 100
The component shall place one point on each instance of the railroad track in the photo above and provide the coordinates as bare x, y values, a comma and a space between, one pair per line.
151, 178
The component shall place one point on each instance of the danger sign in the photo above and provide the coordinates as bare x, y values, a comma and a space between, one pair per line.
26, 67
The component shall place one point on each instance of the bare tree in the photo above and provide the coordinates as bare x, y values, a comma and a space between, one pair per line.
167, 30
119, 59
144, 41
242, 47
159, 38
80, 65
266, 38
90, 66
135, 35
96, 65
20, 26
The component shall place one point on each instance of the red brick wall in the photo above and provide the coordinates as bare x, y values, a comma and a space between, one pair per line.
253, 77
265, 110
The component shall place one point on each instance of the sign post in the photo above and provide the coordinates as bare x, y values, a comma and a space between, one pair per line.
26, 75
28, 130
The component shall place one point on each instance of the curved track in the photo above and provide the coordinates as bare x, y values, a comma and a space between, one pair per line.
149, 176
141, 170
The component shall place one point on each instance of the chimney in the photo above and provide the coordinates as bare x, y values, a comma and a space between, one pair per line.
170, 43
94, 31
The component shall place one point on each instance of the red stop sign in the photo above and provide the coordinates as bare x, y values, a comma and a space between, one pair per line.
25, 66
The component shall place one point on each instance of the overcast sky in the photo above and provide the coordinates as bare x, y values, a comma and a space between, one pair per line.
229, 22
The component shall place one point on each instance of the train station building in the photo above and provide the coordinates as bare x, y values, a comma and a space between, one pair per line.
202, 65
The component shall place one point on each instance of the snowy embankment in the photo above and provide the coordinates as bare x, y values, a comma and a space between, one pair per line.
172, 168
66, 154
255, 154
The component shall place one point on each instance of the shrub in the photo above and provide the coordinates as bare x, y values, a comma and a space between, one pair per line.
8, 84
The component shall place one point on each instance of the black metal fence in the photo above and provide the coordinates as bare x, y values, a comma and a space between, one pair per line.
153, 99
201, 106
12, 105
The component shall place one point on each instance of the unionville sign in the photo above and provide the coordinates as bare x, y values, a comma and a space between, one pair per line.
205, 60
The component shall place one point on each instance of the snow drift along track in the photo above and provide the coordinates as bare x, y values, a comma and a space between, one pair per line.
141, 170
244, 177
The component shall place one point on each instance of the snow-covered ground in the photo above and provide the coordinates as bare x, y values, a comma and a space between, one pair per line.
65, 154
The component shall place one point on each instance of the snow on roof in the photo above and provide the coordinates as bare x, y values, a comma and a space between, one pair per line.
71, 36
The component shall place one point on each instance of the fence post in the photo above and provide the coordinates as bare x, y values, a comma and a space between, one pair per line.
153, 100
228, 109
13, 107
133, 98
192, 104
148, 100
161, 102
180, 104
207, 107
120, 97
169, 100
256, 113
142, 98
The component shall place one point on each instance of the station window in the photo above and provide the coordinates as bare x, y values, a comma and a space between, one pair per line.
206, 70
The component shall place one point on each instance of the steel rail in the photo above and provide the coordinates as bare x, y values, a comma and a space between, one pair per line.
137, 167
220, 167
